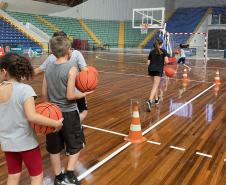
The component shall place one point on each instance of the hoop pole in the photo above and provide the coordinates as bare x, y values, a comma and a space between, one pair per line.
206, 48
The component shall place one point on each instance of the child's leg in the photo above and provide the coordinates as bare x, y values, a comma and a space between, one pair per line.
13, 179
14, 163
155, 87
37, 180
33, 161
72, 160
56, 163
83, 115
54, 145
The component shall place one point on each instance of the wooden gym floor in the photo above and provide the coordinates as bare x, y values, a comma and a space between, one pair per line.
186, 132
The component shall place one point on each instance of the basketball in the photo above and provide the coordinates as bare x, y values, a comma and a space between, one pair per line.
49, 110
170, 72
91, 68
87, 80
172, 60
177, 51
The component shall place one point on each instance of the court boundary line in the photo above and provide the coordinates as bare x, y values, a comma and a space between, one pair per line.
146, 76
143, 63
97, 165
204, 155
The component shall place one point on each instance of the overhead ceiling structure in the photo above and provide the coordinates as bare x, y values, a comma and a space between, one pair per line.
70, 3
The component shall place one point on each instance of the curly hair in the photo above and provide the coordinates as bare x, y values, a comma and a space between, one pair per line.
17, 66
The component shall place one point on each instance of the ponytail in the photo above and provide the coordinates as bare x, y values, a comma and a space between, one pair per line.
157, 44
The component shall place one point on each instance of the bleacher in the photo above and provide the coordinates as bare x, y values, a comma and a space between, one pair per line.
10, 36
105, 30
184, 20
70, 26
31, 18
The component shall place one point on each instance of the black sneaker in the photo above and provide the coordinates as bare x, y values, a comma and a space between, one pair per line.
149, 104
157, 100
57, 182
70, 181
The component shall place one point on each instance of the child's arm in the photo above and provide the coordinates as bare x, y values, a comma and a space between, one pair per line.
149, 61
44, 89
38, 70
34, 117
166, 60
71, 94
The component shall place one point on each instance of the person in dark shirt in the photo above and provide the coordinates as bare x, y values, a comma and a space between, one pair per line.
156, 60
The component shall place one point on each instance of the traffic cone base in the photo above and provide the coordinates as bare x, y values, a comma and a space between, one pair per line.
140, 140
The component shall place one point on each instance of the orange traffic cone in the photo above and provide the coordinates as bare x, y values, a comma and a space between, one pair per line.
135, 134
217, 78
185, 74
216, 89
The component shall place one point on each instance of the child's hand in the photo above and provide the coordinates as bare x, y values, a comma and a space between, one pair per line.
59, 124
87, 93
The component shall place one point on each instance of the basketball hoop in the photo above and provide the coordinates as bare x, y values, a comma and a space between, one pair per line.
144, 28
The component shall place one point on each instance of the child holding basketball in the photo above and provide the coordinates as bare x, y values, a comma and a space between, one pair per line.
182, 55
17, 109
79, 62
156, 59
60, 89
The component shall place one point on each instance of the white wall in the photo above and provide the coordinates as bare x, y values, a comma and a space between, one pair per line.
109, 9
30, 6
198, 3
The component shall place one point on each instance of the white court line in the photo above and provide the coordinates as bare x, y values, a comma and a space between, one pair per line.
146, 76
90, 170
225, 160
93, 168
153, 142
118, 61
112, 53
205, 155
104, 130
172, 113
191, 66
177, 148
116, 133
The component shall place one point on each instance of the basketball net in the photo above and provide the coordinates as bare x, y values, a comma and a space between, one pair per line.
144, 28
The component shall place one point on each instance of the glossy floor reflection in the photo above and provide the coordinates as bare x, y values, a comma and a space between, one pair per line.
197, 127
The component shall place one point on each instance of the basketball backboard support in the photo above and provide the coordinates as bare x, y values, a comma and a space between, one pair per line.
152, 17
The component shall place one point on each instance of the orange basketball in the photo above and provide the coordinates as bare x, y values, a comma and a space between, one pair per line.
87, 80
49, 110
91, 68
177, 51
170, 72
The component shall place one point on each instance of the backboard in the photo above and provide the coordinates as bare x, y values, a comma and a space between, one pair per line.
153, 17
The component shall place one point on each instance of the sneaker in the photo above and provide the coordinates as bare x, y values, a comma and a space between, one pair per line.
149, 104
57, 182
157, 100
70, 181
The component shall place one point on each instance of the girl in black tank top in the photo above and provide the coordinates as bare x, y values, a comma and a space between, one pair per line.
157, 58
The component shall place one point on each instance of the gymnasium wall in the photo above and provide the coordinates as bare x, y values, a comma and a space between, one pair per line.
198, 3
109, 9
29, 6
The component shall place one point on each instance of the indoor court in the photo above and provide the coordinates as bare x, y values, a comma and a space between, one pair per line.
185, 133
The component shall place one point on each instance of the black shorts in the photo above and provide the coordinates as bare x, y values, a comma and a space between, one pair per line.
82, 104
70, 137
155, 73
182, 59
